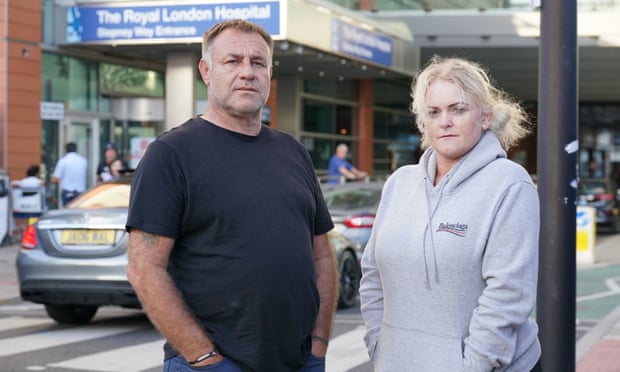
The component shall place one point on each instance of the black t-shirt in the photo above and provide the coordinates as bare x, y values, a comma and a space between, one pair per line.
243, 211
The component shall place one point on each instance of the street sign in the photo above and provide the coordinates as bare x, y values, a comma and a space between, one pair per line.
52, 110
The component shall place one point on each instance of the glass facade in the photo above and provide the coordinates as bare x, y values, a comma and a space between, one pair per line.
330, 118
396, 138
329, 108
429, 5
89, 90
599, 134
71, 81
130, 81
325, 124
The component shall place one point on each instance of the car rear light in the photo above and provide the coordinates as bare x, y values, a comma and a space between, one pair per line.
360, 221
29, 238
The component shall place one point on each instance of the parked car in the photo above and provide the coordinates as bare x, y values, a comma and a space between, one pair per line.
353, 207
74, 260
602, 194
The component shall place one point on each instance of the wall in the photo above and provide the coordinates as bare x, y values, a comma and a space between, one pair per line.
20, 74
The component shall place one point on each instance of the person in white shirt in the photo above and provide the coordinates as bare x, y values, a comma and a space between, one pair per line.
32, 179
29, 194
70, 173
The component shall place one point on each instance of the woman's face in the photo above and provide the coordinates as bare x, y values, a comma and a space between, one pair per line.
116, 167
454, 122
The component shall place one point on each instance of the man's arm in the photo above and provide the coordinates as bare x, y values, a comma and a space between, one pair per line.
327, 282
147, 272
352, 173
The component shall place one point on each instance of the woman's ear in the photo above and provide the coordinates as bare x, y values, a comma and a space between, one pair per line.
486, 119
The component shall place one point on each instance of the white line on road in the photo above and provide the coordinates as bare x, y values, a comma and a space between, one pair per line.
16, 322
42, 340
127, 359
614, 289
347, 351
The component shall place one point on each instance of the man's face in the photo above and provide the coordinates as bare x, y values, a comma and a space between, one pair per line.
342, 152
240, 72
110, 154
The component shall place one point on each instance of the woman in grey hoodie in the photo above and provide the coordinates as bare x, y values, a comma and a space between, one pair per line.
450, 270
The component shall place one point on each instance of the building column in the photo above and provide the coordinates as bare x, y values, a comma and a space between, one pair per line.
366, 125
20, 86
272, 104
181, 70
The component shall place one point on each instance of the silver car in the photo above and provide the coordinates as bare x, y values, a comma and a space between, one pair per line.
352, 207
74, 260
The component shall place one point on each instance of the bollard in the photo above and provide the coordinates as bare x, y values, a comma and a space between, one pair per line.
586, 234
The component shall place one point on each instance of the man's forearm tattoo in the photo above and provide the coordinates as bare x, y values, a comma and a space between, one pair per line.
150, 240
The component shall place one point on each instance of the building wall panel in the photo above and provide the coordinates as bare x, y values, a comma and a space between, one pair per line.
22, 78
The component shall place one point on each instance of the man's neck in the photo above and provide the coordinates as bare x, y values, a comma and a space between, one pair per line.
247, 126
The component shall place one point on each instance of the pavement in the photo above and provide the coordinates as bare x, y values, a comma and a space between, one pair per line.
599, 349
596, 351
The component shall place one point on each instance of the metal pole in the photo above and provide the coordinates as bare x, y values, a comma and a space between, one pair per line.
557, 168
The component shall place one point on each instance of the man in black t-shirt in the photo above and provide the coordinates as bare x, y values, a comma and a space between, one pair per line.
228, 249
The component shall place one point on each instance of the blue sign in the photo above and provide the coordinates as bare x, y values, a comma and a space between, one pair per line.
362, 43
150, 23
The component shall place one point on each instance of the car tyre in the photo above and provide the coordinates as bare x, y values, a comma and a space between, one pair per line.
349, 280
71, 314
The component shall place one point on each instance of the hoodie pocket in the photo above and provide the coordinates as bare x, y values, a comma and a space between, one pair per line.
414, 350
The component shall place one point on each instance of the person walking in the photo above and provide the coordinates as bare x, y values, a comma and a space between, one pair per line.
340, 169
449, 273
70, 173
228, 249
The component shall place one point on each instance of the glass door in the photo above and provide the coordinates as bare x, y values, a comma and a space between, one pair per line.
84, 130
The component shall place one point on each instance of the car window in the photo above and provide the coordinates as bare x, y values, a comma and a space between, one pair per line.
352, 199
593, 188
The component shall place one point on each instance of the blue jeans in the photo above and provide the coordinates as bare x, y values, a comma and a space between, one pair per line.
68, 195
314, 364
178, 364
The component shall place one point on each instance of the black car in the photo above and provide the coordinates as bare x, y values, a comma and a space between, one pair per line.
602, 194
74, 260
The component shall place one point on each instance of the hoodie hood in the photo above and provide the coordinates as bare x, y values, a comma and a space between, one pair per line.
485, 151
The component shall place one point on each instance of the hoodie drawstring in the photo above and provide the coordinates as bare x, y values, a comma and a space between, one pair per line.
429, 226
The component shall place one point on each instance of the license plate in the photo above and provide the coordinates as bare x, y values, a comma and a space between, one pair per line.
87, 237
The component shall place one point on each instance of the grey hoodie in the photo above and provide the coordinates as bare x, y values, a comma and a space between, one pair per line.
449, 273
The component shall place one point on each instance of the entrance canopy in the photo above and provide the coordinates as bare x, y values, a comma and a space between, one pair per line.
313, 39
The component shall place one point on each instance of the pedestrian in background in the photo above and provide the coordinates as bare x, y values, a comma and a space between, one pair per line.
450, 270
70, 174
110, 155
340, 169
32, 179
228, 249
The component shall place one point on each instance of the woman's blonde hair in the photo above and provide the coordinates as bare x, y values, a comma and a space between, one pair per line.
508, 120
